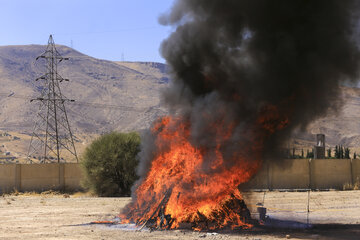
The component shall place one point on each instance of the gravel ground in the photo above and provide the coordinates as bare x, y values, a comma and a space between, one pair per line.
333, 215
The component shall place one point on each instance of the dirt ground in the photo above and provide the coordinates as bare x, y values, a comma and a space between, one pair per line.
333, 215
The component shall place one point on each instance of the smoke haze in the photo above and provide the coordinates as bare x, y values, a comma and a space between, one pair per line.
277, 63
245, 74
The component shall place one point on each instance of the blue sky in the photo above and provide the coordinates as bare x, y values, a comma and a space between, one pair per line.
106, 29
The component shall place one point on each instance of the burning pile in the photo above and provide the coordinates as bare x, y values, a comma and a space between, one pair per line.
244, 76
183, 186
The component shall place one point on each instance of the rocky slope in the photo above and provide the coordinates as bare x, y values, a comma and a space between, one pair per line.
109, 95
342, 127
125, 96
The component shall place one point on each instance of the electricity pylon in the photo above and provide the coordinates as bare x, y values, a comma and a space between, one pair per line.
52, 132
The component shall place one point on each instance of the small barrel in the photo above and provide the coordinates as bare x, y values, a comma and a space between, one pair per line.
262, 213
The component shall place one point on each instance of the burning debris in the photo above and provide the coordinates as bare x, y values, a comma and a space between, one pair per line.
178, 185
232, 213
243, 72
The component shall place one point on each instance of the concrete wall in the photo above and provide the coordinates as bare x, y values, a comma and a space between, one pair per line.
39, 177
72, 176
290, 174
7, 177
306, 174
326, 173
355, 167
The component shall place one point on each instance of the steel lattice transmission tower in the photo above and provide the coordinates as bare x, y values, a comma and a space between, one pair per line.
52, 132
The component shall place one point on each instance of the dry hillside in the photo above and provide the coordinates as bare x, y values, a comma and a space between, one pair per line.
340, 128
130, 91
123, 96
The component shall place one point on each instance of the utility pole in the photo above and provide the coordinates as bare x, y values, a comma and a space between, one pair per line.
52, 132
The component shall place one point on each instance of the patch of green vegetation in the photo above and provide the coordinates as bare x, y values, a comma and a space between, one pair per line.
109, 164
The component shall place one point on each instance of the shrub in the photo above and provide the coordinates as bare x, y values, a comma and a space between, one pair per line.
109, 164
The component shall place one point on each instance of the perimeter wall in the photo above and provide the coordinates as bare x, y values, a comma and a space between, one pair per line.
315, 174
40, 177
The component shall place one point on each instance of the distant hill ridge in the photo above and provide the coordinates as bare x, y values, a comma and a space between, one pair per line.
131, 92
134, 86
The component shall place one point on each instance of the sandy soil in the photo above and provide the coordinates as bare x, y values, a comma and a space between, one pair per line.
64, 217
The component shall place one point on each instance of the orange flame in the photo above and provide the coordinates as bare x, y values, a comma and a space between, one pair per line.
200, 182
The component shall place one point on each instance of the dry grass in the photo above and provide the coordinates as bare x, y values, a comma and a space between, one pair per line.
49, 193
355, 186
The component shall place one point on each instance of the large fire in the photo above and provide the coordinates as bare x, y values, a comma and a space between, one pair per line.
196, 182
241, 71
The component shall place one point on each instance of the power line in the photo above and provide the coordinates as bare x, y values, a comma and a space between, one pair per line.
110, 31
109, 106
84, 103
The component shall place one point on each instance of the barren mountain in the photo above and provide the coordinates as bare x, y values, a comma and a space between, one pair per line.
124, 96
109, 95
340, 128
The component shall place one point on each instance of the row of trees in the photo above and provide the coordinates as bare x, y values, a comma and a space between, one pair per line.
340, 152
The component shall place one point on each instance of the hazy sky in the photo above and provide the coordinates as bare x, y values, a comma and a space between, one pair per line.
106, 29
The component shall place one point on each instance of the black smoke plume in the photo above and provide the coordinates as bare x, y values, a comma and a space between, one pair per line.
245, 74
232, 61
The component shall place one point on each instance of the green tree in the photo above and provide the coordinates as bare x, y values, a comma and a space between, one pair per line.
109, 164
309, 154
337, 155
302, 153
293, 153
347, 153
341, 152
329, 153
